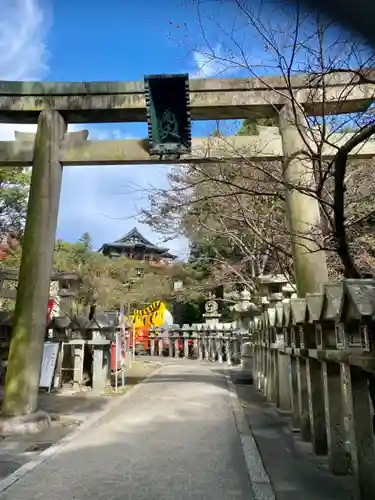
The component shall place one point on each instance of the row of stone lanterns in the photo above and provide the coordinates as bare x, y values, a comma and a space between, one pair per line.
272, 288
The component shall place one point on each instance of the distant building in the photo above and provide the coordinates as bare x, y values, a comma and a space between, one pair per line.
135, 246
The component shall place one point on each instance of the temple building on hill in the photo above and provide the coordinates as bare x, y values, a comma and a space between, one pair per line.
135, 246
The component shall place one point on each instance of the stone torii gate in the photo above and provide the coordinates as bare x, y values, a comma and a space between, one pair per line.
53, 105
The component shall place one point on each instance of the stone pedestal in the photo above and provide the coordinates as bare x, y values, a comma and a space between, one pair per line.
293, 391
101, 366
78, 347
303, 400
219, 345
274, 378
284, 393
338, 457
186, 344
101, 361
247, 358
176, 346
212, 320
201, 348
24, 424
358, 428
152, 344
317, 411
229, 351
269, 375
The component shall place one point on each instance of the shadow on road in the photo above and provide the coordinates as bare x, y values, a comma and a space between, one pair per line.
294, 470
162, 442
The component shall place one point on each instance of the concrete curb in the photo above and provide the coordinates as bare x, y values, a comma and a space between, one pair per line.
260, 482
57, 447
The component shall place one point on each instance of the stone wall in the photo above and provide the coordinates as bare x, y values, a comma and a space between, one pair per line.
314, 358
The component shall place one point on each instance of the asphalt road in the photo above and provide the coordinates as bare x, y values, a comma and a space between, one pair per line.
173, 439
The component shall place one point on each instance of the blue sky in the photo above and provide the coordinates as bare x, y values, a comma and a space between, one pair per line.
84, 40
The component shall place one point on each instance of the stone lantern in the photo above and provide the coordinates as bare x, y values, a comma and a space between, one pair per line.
245, 310
212, 314
269, 284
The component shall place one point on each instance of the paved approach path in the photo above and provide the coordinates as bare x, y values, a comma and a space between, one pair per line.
175, 438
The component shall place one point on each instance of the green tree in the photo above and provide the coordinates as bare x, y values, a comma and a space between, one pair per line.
14, 189
112, 281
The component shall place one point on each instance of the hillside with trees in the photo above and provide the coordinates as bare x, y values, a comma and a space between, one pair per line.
108, 282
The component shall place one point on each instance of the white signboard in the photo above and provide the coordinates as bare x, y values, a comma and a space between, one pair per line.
47, 371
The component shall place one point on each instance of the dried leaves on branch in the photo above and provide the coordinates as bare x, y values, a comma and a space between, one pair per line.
233, 216
237, 212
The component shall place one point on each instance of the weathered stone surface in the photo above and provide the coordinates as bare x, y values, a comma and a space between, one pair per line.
310, 267
215, 98
314, 303
299, 309
359, 297
271, 314
71, 139
286, 312
279, 314
17, 88
78, 151
33, 291
25, 424
333, 294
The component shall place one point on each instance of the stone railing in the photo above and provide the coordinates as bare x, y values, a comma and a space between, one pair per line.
314, 358
87, 346
218, 343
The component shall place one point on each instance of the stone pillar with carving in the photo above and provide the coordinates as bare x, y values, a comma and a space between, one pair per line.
212, 314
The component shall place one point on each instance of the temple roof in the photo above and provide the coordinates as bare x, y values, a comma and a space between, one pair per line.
135, 239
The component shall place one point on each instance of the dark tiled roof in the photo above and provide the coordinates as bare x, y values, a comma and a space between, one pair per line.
135, 239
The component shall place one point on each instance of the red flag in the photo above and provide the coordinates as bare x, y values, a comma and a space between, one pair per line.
51, 305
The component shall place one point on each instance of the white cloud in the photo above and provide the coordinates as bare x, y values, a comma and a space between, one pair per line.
104, 200
23, 28
206, 65
91, 198
23, 52
210, 62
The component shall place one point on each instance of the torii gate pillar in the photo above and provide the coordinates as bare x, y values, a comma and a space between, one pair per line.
29, 324
310, 263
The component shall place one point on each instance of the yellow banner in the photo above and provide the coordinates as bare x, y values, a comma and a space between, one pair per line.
152, 315
147, 310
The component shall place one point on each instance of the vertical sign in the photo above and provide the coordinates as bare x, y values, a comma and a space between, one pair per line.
47, 370
168, 114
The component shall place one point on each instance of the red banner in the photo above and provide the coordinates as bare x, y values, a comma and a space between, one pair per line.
51, 305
